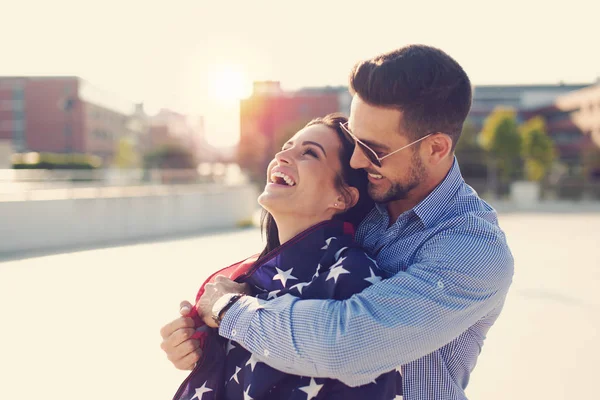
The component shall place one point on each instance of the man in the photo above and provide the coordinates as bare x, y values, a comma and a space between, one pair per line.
448, 261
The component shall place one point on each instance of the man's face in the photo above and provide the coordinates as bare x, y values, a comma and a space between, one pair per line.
380, 129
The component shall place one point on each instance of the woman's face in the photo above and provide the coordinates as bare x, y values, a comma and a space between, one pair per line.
301, 179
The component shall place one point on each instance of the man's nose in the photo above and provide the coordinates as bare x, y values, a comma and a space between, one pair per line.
358, 159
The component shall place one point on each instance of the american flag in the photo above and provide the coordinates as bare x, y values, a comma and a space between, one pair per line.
323, 262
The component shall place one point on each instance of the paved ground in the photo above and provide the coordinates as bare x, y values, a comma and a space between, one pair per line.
85, 324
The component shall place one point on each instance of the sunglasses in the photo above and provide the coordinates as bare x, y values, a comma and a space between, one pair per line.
369, 152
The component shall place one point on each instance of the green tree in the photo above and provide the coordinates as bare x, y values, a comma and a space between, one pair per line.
471, 156
170, 157
591, 162
500, 137
537, 149
469, 138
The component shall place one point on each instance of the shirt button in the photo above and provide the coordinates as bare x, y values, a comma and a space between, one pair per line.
233, 332
266, 353
440, 284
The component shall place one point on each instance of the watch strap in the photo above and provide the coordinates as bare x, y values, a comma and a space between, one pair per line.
218, 314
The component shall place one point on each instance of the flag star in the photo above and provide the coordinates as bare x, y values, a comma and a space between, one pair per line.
399, 369
230, 346
339, 252
338, 262
312, 390
247, 394
283, 276
335, 273
372, 260
273, 294
373, 279
317, 271
252, 362
200, 391
299, 286
327, 243
398, 397
235, 377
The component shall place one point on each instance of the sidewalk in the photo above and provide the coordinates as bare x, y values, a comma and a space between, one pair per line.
546, 207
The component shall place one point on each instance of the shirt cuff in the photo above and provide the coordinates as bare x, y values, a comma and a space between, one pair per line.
236, 320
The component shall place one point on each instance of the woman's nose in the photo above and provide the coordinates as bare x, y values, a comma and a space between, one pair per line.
283, 157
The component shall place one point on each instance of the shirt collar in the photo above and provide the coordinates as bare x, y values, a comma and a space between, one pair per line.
436, 203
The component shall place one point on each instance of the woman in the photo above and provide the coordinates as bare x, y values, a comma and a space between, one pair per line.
312, 199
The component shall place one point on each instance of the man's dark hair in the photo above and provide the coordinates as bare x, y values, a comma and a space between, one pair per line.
427, 85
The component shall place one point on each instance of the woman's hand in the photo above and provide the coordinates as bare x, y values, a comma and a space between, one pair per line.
183, 351
213, 291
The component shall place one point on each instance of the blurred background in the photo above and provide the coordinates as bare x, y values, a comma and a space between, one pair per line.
134, 138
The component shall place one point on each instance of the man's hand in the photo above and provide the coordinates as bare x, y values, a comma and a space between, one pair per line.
212, 293
181, 350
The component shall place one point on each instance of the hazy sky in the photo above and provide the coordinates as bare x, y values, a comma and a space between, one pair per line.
165, 53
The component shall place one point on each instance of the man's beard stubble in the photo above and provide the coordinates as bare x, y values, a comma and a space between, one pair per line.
400, 191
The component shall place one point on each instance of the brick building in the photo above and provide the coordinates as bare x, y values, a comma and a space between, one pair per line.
66, 115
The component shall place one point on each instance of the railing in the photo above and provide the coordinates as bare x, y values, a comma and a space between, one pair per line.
46, 184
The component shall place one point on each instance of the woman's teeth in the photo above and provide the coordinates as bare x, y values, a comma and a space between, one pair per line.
375, 176
289, 181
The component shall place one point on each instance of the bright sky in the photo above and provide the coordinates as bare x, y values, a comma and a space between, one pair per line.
172, 54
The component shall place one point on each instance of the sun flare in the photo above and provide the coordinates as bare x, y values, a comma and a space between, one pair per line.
229, 83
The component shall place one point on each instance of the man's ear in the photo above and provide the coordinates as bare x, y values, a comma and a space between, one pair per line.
440, 147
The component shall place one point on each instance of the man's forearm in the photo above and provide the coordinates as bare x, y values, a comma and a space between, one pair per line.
354, 340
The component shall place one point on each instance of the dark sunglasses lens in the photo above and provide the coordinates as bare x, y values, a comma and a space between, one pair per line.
347, 134
369, 153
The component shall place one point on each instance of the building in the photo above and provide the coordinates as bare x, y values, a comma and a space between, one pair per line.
585, 104
573, 123
67, 115
486, 98
271, 115
170, 128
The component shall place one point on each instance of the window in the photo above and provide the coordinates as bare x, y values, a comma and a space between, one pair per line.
10, 105
19, 144
304, 109
18, 105
18, 94
566, 137
6, 125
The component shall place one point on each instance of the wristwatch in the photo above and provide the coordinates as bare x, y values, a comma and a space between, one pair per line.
223, 304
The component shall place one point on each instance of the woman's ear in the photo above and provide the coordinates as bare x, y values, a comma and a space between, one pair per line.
347, 201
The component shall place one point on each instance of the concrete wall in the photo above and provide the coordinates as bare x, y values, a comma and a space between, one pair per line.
47, 224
